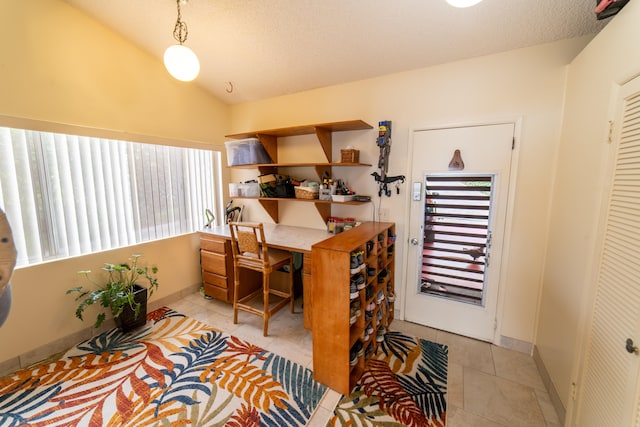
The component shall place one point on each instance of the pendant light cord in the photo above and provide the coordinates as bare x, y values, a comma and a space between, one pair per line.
180, 31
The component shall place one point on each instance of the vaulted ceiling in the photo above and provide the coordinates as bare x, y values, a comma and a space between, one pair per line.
255, 49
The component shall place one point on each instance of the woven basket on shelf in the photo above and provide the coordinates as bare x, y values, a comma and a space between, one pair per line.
306, 193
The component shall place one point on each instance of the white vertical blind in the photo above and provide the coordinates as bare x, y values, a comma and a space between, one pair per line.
67, 195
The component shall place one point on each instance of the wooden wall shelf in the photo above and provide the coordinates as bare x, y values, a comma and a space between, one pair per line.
324, 133
270, 205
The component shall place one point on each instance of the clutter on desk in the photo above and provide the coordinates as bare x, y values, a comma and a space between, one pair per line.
210, 218
336, 225
233, 213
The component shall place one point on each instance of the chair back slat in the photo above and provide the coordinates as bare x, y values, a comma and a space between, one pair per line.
249, 245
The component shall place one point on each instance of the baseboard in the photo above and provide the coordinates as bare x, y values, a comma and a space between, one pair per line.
176, 296
516, 345
551, 389
63, 344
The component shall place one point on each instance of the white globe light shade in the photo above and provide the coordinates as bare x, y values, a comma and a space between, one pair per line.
181, 62
463, 3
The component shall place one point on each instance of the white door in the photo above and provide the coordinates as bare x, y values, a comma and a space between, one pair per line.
609, 394
457, 222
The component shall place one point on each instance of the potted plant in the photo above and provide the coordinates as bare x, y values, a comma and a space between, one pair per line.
121, 292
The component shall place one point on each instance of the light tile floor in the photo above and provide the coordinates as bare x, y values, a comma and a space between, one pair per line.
487, 385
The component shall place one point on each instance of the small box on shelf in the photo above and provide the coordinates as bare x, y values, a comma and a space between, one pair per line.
247, 189
234, 189
349, 156
343, 197
325, 194
250, 189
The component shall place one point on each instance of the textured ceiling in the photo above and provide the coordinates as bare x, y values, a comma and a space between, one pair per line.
267, 48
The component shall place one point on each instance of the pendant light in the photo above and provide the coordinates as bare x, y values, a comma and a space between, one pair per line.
463, 3
181, 62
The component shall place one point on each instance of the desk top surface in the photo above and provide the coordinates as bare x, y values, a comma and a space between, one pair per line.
287, 237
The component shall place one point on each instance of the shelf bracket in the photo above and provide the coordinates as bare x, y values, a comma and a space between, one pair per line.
325, 138
323, 170
267, 169
324, 209
271, 207
270, 144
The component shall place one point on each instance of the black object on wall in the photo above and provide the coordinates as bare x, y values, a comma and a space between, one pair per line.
608, 8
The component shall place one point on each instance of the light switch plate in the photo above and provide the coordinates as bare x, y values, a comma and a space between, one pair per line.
417, 191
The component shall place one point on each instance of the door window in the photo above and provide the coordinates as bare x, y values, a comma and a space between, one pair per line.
456, 236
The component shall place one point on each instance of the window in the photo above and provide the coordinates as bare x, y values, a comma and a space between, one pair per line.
67, 195
456, 236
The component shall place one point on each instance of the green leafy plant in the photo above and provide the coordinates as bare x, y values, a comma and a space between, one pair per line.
117, 290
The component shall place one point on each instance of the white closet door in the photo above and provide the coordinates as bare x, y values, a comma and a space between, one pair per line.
610, 377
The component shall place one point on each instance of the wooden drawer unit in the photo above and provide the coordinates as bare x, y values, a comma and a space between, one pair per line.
217, 267
215, 262
214, 279
216, 245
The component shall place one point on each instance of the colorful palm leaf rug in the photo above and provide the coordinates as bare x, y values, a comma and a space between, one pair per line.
175, 371
404, 385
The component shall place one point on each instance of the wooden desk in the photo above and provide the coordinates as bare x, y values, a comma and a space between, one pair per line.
286, 237
331, 271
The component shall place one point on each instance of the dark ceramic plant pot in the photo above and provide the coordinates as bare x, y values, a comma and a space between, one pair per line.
127, 320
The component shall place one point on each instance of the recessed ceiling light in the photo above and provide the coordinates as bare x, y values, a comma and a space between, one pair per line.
463, 3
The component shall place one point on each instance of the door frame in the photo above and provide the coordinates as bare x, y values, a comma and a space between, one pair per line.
592, 275
502, 274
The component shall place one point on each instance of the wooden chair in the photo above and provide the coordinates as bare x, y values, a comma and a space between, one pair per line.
250, 251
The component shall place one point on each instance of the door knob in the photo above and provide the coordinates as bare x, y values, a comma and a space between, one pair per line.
414, 241
630, 347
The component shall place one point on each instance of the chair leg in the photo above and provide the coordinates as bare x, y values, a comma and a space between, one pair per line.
265, 297
236, 291
291, 296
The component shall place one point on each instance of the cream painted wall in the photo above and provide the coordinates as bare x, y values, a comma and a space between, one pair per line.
526, 83
42, 312
573, 251
60, 66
